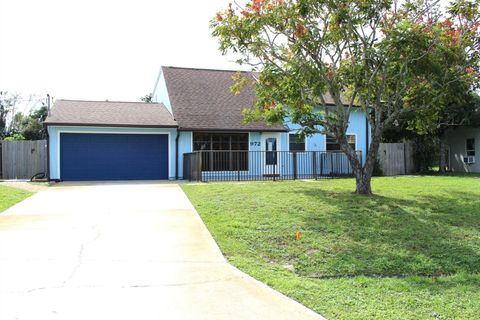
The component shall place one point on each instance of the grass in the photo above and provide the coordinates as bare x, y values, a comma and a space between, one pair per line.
412, 251
10, 196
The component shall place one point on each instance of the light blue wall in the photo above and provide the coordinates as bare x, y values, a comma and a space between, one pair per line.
316, 142
160, 92
54, 137
184, 146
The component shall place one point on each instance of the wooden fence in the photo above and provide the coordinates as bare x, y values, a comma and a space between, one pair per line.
23, 159
396, 159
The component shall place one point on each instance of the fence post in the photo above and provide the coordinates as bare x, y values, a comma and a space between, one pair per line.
314, 164
238, 165
331, 164
294, 160
200, 175
321, 164
275, 169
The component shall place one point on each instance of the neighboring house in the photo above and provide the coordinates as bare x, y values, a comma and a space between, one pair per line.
463, 142
193, 110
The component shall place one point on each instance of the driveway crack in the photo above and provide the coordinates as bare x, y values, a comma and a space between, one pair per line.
134, 286
77, 265
80, 255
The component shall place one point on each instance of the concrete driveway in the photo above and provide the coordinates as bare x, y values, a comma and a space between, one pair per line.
122, 251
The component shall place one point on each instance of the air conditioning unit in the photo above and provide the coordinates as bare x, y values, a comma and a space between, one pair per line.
469, 160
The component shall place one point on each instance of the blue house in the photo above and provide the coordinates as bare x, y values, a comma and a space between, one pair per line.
193, 129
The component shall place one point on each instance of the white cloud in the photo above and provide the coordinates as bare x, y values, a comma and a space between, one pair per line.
102, 49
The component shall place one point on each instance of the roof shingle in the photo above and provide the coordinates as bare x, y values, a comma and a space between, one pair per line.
201, 100
110, 113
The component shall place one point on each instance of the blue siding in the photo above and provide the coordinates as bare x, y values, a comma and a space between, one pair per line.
160, 92
87, 157
316, 142
184, 146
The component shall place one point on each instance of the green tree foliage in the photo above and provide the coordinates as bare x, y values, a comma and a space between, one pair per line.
388, 58
147, 98
29, 126
15, 136
457, 110
7, 108
427, 129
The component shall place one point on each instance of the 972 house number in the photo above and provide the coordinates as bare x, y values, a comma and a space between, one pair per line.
255, 144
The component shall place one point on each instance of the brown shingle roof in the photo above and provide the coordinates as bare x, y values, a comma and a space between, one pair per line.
201, 100
110, 113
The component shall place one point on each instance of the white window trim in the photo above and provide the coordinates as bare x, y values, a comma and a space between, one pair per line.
348, 134
474, 149
191, 141
288, 140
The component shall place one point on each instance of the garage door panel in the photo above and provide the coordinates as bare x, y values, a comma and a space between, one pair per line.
113, 156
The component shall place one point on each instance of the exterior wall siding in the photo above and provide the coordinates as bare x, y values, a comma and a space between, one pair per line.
160, 92
317, 142
54, 141
184, 146
456, 140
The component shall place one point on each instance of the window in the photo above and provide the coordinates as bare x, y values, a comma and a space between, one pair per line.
297, 143
225, 150
332, 144
203, 141
470, 146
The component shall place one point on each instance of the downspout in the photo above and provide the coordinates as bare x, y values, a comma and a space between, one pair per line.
176, 154
48, 152
48, 138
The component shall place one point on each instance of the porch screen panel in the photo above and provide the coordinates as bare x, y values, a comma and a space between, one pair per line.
222, 151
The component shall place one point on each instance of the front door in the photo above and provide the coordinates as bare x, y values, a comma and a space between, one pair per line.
270, 148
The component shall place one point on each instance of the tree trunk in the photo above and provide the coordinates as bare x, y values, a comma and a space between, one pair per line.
363, 173
363, 183
443, 161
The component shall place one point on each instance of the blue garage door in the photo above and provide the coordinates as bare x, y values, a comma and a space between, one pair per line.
89, 157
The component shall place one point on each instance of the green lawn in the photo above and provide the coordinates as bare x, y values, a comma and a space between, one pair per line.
412, 251
10, 196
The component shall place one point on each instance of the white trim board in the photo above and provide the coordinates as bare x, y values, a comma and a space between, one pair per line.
348, 134
295, 132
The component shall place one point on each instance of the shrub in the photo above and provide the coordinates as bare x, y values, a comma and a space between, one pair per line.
15, 136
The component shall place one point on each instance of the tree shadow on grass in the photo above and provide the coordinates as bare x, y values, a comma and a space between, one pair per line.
382, 236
